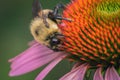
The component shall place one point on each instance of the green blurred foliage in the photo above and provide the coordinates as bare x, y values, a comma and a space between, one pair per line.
15, 18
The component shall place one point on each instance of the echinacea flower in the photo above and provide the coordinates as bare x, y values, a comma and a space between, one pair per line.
91, 41
93, 38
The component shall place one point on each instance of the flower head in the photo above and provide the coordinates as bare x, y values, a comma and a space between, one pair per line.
93, 37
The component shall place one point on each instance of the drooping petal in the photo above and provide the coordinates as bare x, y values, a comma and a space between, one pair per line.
76, 74
98, 75
35, 51
49, 67
31, 59
25, 52
111, 74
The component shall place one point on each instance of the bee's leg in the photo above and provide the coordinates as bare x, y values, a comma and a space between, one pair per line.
55, 12
54, 15
59, 35
57, 7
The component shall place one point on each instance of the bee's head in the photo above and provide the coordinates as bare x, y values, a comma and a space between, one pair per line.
54, 40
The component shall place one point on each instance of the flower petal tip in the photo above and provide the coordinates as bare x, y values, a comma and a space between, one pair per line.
11, 74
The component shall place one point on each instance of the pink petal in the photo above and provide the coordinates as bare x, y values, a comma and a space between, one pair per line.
33, 52
23, 53
76, 74
76, 65
20, 69
42, 75
111, 74
98, 75
31, 59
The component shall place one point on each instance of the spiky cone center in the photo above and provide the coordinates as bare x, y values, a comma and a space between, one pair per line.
94, 34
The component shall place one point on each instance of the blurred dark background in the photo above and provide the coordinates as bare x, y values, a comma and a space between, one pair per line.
15, 18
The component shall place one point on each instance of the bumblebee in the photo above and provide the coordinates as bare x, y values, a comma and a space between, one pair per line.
44, 26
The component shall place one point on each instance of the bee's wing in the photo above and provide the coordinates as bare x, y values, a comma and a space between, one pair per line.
38, 12
36, 9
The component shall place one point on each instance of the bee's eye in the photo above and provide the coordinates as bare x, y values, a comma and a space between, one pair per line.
54, 41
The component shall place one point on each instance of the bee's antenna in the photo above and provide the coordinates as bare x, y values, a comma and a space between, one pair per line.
44, 21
